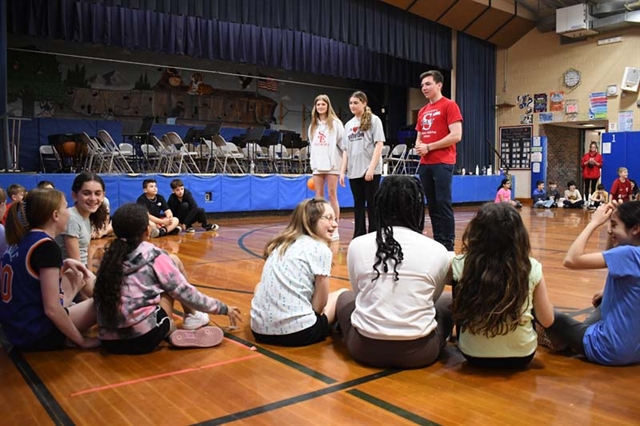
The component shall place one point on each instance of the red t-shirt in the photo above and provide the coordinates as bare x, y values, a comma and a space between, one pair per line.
433, 125
592, 172
620, 190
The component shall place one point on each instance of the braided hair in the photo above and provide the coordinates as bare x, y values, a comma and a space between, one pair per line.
398, 202
129, 224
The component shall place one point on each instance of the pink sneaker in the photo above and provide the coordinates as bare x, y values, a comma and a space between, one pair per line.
205, 337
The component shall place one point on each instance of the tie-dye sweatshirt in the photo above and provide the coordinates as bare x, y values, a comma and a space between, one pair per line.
149, 272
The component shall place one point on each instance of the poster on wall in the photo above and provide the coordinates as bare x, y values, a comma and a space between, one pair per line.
545, 117
556, 101
526, 119
598, 106
625, 121
540, 102
525, 102
571, 106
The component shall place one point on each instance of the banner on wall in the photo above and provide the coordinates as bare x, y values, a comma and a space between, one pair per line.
598, 106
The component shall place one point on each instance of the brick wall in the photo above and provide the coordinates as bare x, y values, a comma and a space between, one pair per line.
563, 155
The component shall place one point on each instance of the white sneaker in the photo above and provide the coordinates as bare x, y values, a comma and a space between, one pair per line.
195, 321
335, 236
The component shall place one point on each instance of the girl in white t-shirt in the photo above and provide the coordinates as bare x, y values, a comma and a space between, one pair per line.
327, 150
496, 287
292, 305
364, 139
395, 316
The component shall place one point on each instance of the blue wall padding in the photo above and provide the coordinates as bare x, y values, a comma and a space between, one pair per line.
235, 192
264, 192
291, 191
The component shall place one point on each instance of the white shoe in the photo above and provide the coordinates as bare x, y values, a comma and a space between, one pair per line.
195, 321
335, 236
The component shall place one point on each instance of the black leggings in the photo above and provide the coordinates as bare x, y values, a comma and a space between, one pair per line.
572, 331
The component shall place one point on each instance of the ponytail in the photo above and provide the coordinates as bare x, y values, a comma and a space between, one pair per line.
16, 225
365, 121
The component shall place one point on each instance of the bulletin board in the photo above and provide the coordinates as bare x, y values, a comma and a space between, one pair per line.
515, 146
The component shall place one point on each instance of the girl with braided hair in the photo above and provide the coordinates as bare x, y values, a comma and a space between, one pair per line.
396, 316
496, 287
135, 289
364, 138
38, 287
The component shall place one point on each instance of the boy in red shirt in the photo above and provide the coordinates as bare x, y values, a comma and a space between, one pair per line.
621, 188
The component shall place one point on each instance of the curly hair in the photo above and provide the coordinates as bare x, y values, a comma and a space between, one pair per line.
365, 120
398, 202
304, 219
492, 293
129, 224
100, 217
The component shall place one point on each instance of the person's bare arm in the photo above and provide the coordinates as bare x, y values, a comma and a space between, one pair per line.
72, 247
542, 304
320, 293
576, 258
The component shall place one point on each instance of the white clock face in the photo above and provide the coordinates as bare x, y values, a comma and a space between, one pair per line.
572, 78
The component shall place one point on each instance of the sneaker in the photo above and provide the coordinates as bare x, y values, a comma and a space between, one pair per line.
205, 337
335, 236
195, 321
176, 231
191, 230
211, 227
548, 340
155, 233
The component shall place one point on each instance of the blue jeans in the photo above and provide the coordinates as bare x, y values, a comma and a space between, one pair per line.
436, 181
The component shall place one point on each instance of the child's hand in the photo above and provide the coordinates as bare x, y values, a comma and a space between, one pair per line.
234, 316
602, 214
90, 343
597, 299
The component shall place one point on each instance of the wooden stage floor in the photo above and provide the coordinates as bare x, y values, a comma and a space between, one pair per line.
246, 384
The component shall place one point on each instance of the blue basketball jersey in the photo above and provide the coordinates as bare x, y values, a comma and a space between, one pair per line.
21, 308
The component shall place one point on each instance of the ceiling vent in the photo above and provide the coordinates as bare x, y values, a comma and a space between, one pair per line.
575, 21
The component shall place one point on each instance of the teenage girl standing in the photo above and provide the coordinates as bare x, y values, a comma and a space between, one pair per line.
364, 137
327, 151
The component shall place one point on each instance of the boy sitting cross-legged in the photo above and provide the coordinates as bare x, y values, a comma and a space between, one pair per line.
186, 208
161, 218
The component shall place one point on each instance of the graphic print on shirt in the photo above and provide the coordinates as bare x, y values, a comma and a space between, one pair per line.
428, 120
355, 134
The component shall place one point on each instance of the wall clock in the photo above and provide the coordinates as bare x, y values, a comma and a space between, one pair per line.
571, 78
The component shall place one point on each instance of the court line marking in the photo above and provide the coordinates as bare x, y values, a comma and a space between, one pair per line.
296, 399
399, 411
37, 386
162, 375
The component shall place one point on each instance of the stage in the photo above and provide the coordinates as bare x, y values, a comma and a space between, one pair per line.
222, 193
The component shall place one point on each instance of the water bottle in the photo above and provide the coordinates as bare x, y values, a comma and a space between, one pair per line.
464, 172
489, 171
484, 170
252, 167
477, 170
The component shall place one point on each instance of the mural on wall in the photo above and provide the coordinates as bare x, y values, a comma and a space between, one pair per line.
37, 89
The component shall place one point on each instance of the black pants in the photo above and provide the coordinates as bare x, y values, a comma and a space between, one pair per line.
188, 216
589, 187
572, 331
436, 181
364, 191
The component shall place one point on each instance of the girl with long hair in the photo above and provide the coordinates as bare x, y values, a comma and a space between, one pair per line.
327, 151
135, 289
591, 165
88, 212
291, 305
38, 287
610, 336
504, 194
496, 287
396, 316
364, 138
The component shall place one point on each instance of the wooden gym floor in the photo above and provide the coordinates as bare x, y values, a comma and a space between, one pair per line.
243, 383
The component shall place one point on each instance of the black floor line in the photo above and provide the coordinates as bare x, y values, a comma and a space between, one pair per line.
296, 399
412, 417
301, 368
39, 389
232, 290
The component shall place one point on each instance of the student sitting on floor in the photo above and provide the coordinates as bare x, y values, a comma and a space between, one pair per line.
496, 288
553, 194
600, 196
161, 219
15, 192
186, 209
395, 315
135, 289
504, 194
612, 335
3, 207
40, 314
572, 197
539, 196
291, 305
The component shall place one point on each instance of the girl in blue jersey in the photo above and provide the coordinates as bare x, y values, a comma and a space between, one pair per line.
611, 336
37, 287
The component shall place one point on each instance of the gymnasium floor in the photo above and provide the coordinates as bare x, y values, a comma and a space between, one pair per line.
243, 383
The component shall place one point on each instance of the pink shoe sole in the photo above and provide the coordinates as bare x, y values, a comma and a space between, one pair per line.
204, 337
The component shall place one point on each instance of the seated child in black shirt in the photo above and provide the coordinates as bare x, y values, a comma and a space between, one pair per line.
186, 208
161, 218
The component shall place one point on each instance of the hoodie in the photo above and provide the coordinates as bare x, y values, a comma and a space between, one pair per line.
149, 272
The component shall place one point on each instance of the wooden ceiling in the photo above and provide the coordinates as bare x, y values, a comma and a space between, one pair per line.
502, 22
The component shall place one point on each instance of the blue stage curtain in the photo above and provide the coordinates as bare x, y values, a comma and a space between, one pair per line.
371, 24
475, 93
216, 40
